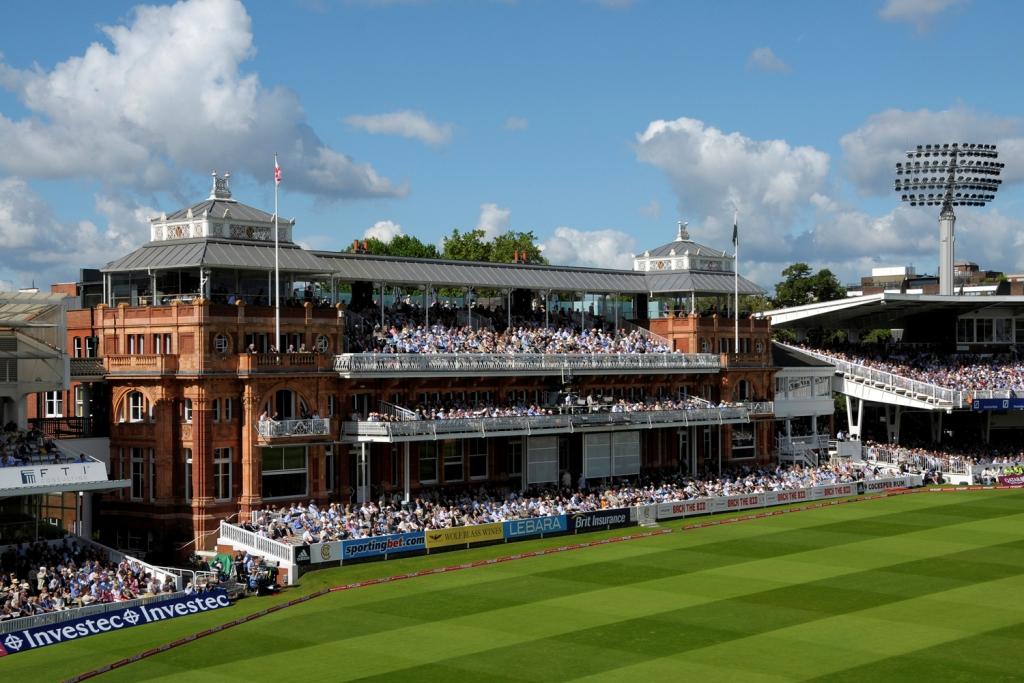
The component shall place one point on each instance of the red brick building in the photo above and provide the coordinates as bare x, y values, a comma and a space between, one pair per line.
177, 364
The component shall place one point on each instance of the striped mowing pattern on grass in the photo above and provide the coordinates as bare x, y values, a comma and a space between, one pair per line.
832, 592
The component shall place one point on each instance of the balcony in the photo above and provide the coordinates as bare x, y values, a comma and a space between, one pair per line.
146, 366
760, 408
285, 363
352, 365
271, 431
801, 444
430, 430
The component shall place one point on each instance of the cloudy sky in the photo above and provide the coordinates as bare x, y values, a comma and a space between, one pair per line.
595, 123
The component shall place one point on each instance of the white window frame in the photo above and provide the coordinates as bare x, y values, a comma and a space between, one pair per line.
222, 470
53, 402
79, 400
215, 404
472, 446
136, 407
229, 409
138, 462
77, 346
187, 453
186, 411
430, 450
221, 343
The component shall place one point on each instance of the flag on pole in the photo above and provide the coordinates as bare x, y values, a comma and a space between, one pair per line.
735, 232
277, 172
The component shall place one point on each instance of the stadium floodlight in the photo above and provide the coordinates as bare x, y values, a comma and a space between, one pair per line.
948, 175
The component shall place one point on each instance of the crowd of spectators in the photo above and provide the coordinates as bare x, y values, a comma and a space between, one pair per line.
964, 372
986, 461
311, 523
458, 410
543, 340
36, 578
20, 447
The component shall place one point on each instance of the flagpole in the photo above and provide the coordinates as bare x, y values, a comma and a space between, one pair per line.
736, 277
277, 271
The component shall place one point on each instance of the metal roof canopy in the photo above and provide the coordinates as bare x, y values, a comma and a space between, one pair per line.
28, 309
219, 253
883, 310
395, 270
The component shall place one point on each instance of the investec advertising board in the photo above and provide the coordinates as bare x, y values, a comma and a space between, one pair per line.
118, 620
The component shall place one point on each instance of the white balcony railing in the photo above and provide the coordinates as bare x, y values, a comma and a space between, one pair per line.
486, 426
801, 444
395, 363
316, 426
889, 381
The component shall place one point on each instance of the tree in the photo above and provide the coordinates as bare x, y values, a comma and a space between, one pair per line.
467, 246
400, 245
801, 286
504, 248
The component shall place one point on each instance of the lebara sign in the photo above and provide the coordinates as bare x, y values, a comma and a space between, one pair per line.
41, 636
535, 526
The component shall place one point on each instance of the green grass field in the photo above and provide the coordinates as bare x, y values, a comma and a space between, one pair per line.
927, 586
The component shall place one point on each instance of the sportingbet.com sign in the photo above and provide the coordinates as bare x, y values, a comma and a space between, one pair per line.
41, 636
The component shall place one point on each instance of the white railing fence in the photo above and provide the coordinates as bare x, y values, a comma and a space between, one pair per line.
391, 363
315, 426
887, 379
267, 547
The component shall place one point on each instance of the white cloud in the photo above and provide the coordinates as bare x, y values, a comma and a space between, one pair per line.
769, 181
165, 95
516, 123
920, 13
594, 248
406, 124
39, 246
763, 59
385, 231
871, 151
494, 220
653, 209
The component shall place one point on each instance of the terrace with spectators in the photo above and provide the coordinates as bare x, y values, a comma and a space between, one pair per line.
960, 371
979, 463
38, 578
571, 413
304, 524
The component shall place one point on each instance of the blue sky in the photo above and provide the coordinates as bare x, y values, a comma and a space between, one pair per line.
595, 124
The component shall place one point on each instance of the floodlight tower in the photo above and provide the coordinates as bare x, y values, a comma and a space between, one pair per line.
948, 175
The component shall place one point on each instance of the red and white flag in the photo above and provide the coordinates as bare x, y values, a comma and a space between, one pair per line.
277, 172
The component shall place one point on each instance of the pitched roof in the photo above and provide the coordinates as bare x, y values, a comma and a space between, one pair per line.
400, 270
193, 253
683, 245
224, 253
699, 281
217, 207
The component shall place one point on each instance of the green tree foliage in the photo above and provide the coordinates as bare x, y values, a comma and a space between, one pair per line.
505, 246
803, 286
467, 246
400, 245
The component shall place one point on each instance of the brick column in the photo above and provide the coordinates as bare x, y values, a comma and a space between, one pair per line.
202, 468
252, 472
165, 448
